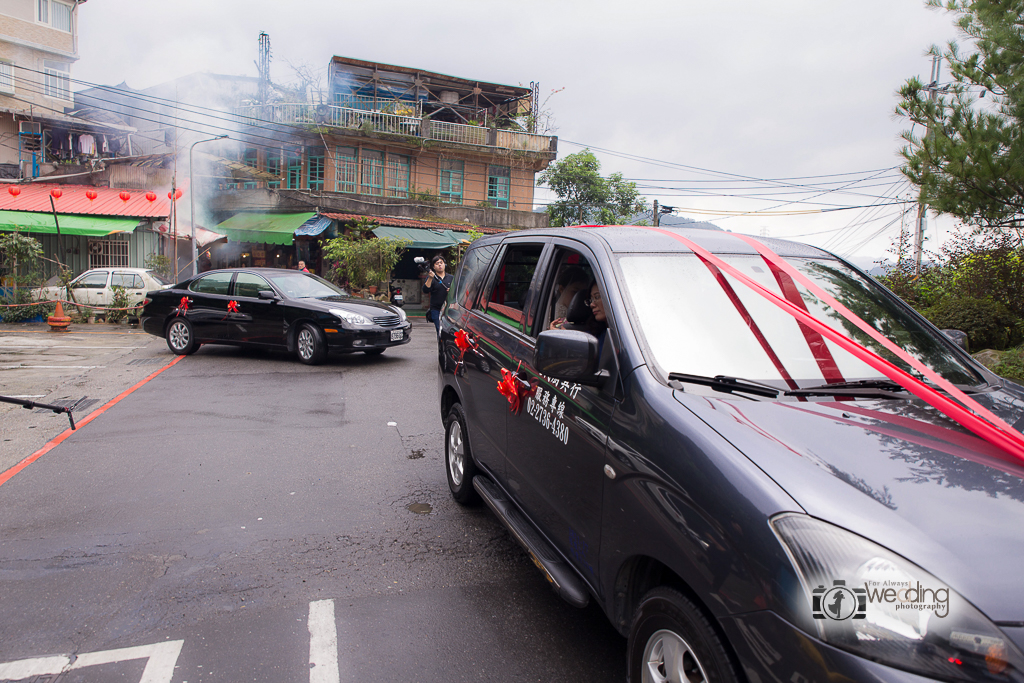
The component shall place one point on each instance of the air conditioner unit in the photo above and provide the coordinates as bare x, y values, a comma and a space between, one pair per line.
30, 128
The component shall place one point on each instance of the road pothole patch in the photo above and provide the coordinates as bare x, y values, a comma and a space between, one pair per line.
419, 508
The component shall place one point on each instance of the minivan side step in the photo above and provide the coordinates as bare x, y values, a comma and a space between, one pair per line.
563, 579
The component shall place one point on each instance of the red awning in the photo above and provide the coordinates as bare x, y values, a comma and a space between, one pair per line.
108, 202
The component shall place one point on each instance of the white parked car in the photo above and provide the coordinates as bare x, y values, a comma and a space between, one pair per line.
95, 286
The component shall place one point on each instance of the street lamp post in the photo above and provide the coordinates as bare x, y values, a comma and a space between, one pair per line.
192, 203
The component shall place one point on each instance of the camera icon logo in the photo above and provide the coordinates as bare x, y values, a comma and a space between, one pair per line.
838, 602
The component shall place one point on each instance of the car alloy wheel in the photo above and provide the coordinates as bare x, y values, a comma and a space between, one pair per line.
306, 344
456, 454
458, 458
181, 338
667, 657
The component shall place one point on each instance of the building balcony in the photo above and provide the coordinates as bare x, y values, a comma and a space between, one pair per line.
379, 122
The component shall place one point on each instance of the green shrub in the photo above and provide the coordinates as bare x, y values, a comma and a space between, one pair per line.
1011, 365
20, 313
988, 324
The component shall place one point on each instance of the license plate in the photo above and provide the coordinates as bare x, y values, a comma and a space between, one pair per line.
396, 335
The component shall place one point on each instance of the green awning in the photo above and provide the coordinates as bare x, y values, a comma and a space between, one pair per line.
263, 228
91, 226
421, 238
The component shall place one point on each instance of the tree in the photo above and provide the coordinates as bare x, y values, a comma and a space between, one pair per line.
584, 197
966, 149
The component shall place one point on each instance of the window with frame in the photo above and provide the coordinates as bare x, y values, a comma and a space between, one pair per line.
315, 168
251, 157
450, 182
507, 299
60, 16
7, 77
108, 253
474, 267
126, 280
250, 285
346, 169
499, 183
372, 173
214, 283
43, 11
294, 178
56, 80
91, 281
398, 175
274, 169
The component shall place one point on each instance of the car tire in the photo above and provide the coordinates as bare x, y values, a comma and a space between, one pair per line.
181, 338
310, 346
458, 461
672, 640
373, 352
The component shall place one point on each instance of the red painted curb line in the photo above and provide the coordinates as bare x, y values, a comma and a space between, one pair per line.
55, 441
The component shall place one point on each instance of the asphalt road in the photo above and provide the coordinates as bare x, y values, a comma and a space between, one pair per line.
244, 517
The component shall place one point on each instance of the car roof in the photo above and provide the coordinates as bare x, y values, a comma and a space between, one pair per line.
644, 239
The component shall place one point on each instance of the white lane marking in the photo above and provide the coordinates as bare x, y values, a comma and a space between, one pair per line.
62, 346
159, 669
27, 396
323, 643
51, 367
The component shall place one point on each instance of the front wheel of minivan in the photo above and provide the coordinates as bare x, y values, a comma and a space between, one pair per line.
457, 459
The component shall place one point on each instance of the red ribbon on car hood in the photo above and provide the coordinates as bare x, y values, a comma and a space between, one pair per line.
981, 421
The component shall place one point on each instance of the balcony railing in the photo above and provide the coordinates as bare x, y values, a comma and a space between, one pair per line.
382, 122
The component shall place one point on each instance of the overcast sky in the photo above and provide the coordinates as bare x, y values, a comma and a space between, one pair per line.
738, 89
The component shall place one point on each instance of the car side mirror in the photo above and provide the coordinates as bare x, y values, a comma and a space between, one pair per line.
267, 294
570, 355
959, 338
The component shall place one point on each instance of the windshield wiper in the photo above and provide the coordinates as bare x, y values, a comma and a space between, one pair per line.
864, 387
726, 384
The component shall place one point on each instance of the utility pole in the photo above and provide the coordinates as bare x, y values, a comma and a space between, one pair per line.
933, 88
657, 214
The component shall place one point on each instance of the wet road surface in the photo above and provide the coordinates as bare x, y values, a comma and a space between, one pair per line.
244, 517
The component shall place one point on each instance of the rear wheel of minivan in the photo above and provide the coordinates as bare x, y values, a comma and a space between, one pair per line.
457, 458
672, 640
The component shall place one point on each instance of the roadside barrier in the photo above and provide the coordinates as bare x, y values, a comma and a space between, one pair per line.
71, 303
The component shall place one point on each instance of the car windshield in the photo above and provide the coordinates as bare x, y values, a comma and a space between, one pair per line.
158, 277
297, 285
690, 324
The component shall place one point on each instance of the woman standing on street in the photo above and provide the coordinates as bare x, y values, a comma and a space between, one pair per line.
437, 285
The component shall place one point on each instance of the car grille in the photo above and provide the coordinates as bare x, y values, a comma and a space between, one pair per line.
387, 320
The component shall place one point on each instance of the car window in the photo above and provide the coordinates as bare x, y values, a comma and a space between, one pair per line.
96, 280
159, 278
297, 285
692, 324
473, 269
214, 283
126, 280
572, 274
507, 297
247, 284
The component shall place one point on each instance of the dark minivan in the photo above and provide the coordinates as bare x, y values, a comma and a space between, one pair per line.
760, 463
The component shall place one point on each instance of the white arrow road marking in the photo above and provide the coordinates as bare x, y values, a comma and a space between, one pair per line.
323, 643
159, 668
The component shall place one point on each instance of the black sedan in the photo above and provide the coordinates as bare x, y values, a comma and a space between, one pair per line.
271, 308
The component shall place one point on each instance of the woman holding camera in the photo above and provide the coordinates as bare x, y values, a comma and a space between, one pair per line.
437, 285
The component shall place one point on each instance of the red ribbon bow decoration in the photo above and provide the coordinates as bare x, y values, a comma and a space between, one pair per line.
515, 389
464, 342
232, 307
183, 306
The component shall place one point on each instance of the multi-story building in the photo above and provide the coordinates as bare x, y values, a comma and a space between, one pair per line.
38, 45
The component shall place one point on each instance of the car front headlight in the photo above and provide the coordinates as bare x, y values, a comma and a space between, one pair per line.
875, 604
401, 314
351, 318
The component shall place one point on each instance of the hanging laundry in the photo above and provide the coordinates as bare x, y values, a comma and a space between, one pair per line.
86, 144
105, 148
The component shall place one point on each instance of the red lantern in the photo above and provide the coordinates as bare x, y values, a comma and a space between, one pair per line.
151, 196
14, 190
124, 196
56, 193
91, 194
177, 195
